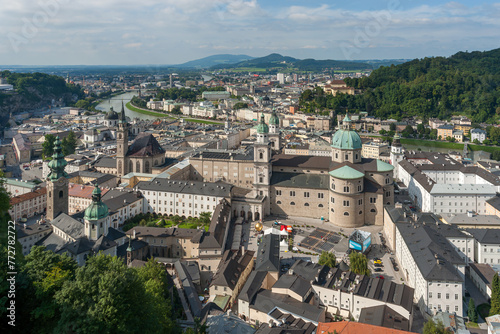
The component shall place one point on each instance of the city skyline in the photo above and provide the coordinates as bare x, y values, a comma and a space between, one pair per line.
57, 32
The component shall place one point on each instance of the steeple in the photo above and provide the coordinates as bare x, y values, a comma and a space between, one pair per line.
123, 119
58, 163
96, 216
262, 127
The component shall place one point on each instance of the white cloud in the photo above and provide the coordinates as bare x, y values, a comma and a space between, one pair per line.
170, 31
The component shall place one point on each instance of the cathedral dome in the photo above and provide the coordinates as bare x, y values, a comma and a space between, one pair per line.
112, 115
274, 120
97, 209
262, 127
345, 138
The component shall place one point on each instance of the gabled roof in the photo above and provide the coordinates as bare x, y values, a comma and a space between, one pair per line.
351, 327
268, 254
68, 225
145, 146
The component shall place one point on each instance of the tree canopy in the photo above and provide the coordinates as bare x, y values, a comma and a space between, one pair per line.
327, 259
359, 263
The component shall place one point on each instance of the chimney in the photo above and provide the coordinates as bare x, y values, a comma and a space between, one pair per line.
133, 235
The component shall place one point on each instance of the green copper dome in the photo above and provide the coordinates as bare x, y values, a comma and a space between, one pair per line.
97, 209
274, 120
346, 173
262, 127
57, 164
345, 138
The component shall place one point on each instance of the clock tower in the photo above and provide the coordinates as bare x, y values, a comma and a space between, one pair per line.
57, 184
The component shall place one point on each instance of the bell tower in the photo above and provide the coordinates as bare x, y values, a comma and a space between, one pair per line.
57, 184
96, 217
122, 144
262, 163
397, 154
274, 131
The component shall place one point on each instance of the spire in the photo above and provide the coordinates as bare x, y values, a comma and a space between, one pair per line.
58, 164
129, 248
122, 115
262, 127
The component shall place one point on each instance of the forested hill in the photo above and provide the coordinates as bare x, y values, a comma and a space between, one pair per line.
34, 90
467, 83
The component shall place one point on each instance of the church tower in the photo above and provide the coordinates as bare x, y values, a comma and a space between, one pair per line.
397, 154
274, 131
96, 217
57, 184
122, 144
262, 163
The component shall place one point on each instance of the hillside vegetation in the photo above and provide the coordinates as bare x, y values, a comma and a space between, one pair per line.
465, 83
34, 90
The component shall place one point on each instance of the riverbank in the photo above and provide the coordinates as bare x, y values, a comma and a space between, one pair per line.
146, 112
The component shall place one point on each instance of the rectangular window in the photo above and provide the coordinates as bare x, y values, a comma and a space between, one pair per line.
456, 296
306, 194
292, 193
278, 192
320, 195
373, 200
439, 296
430, 294
346, 203
447, 296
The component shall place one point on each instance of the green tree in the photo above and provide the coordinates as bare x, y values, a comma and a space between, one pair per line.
205, 218
421, 128
471, 311
48, 146
382, 132
392, 126
4, 196
495, 155
240, 105
432, 327
359, 263
48, 272
155, 280
495, 296
327, 259
69, 144
107, 297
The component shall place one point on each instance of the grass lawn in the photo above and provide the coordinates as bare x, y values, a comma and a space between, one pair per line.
146, 112
246, 69
430, 143
472, 325
484, 310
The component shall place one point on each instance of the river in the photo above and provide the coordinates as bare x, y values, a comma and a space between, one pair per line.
116, 103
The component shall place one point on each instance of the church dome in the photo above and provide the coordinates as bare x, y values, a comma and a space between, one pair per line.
112, 115
97, 209
262, 127
274, 120
345, 138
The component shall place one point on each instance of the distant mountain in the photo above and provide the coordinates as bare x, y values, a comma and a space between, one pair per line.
210, 61
277, 61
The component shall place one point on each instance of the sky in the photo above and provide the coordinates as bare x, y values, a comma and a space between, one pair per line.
131, 32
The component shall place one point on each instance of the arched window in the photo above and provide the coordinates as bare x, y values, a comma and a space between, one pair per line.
361, 212
306, 204
373, 210
346, 189
320, 205
261, 155
356, 156
336, 155
346, 213
278, 202
137, 167
292, 203
332, 210
61, 194
130, 167
146, 167
156, 162
119, 166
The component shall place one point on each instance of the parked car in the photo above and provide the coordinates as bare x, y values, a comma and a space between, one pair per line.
381, 277
378, 265
377, 261
395, 268
378, 270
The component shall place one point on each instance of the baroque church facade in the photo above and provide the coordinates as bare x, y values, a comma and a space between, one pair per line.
346, 189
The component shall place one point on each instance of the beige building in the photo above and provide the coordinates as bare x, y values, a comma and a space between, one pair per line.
28, 235
29, 204
374, 149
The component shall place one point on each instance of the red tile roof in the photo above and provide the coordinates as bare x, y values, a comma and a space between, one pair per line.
26, 197
78, 190
351, 327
